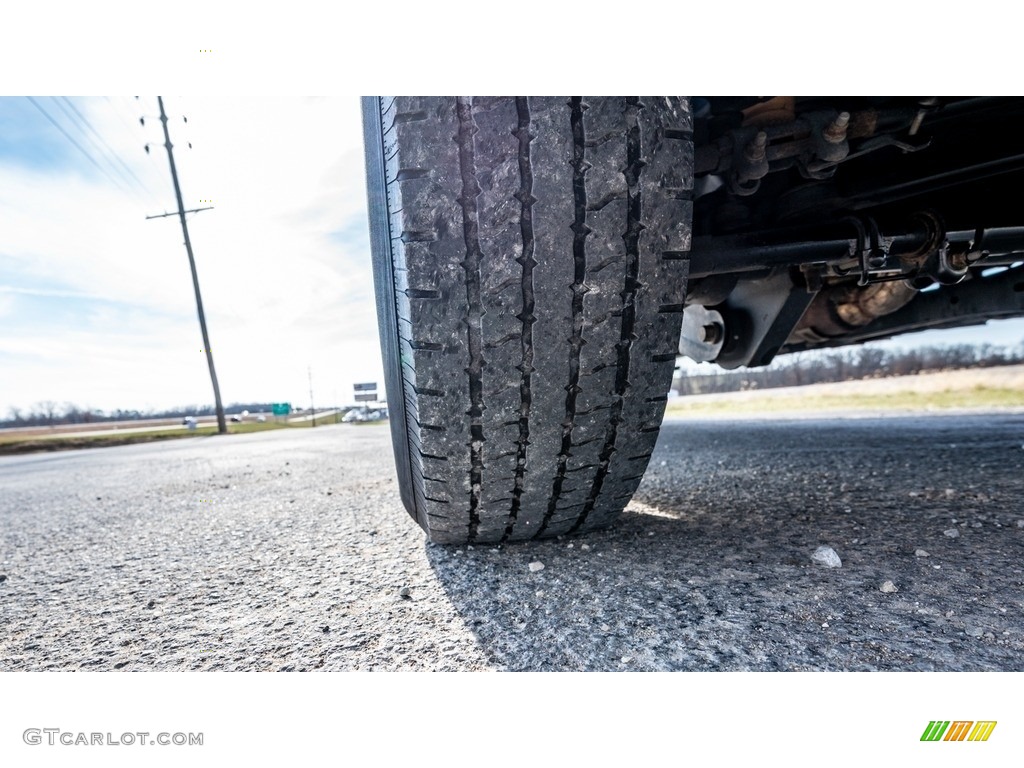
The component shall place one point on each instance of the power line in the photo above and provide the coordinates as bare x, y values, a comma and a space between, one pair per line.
132, 129
110, 150
100, 153
78, 146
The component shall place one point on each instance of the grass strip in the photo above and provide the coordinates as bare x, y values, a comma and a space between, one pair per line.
976, 397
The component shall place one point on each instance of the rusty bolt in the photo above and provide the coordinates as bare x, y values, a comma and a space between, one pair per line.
836, 132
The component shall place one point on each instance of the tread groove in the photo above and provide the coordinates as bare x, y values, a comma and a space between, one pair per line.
418, 236
526, 200
579, 256
474, 319
410, 117
428, 392
422, 293
404, 174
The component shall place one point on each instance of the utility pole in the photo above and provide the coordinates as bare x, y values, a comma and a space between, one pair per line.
309, 372
222, 426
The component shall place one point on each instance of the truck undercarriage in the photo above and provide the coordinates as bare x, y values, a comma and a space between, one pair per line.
821, 222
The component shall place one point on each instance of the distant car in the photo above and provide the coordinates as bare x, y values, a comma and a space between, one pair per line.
261, 418
188, 420
236, 418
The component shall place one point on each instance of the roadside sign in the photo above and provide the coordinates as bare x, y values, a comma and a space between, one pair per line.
281, 409
365, 392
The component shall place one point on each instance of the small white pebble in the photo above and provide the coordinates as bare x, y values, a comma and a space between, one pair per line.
605, 627
571, 546
824, 625
888, 587
535, 566
1020, 523
540, 593
827, 556
585, 547
921, 553
952, 533
626, 659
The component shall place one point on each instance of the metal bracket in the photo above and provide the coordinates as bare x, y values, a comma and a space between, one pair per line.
759, 317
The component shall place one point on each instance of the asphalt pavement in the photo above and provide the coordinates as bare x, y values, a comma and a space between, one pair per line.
289, 550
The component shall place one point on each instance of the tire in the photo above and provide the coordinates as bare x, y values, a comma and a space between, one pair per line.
530, 260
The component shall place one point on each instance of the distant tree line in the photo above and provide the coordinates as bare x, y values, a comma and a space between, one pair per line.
48, 413
846, 365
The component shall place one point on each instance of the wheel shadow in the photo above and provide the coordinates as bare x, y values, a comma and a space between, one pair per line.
640, 595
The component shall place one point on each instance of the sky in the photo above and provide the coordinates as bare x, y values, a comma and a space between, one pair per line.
96, 302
